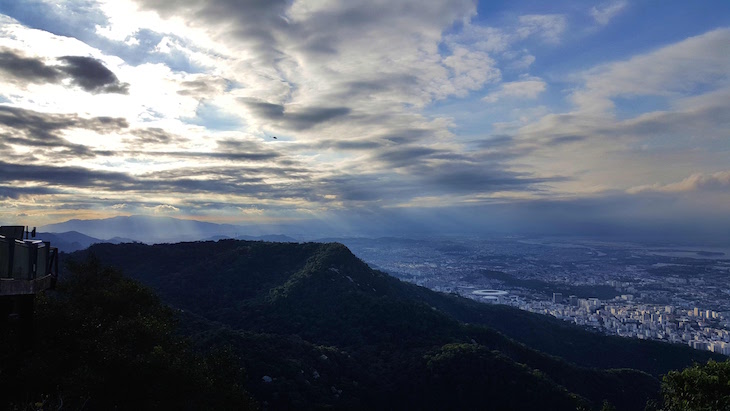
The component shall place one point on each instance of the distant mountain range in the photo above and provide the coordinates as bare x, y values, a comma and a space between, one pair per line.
315, 327
71, 241
74, 235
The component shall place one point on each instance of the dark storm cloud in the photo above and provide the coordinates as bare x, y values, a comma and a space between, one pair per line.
296, 118
42, 130
91, 75
86, 72
27, 69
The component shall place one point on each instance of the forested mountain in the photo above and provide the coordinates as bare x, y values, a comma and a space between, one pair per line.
104, 342
316, 327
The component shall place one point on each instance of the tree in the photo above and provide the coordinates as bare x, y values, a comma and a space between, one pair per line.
104, 341
698, 388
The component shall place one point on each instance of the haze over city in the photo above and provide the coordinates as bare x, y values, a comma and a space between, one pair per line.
387, 117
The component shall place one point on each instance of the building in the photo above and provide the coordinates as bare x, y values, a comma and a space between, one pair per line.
27, 267
557, 298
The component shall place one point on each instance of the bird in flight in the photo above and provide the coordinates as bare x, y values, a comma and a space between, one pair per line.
274, 137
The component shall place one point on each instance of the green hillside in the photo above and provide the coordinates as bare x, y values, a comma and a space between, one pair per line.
284, 308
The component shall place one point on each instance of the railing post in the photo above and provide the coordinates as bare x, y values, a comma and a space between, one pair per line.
11, 255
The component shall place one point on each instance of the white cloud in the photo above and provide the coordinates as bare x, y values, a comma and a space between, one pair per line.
605, 13
251, 210
548, 27
163, 209
679, 69
483, 38
695, 182
597, 145
524, 89
472, 70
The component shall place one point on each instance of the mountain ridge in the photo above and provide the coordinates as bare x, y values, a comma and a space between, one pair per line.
159, 229
326, 296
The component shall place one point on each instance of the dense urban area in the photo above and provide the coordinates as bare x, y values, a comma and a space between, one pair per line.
669, 293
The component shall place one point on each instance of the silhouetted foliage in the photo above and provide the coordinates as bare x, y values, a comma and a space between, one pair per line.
698, 388
315, 327
103, 341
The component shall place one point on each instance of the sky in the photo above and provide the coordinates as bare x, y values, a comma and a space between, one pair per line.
371, 117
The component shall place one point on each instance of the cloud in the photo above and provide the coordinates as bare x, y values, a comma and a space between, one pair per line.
606, 12
91, 75
154, 136
526, 89
80, 181
683, 68
63, 176
88, 73
642, 119
548, 27
293, 117
719, 181
164, 209
27, 70
41, 132
16, 191
472, 70
203, 87
376, 105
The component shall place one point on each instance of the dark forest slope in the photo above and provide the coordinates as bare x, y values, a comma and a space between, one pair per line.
338, 333
104, 342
